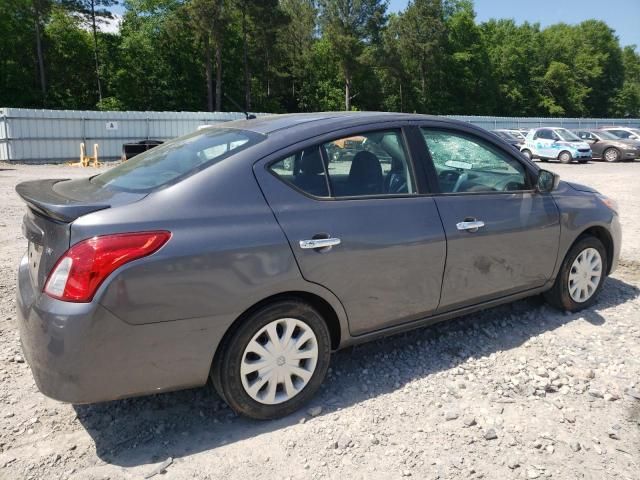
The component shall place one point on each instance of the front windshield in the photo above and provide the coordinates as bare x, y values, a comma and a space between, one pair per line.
177, 159
566, 135
606, 135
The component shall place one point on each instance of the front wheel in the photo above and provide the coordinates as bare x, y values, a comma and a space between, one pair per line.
527, 153
581, 276
565, 157
274, 362
611, 155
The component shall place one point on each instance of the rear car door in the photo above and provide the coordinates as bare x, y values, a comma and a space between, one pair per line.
358, 225
502, 235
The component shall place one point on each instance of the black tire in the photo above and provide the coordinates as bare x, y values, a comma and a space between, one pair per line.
527, 153
559, 296
565, 157
611, 155
225, 372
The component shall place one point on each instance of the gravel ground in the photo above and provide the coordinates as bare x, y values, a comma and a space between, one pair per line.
520, 391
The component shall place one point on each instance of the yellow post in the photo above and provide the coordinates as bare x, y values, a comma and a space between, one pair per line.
96, 163
83, 155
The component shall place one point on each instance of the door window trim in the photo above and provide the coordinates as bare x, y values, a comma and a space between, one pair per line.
530, 171
317, 142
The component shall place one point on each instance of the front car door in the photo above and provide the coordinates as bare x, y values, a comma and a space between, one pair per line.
358, 224
544, 140
597, 146
502, 235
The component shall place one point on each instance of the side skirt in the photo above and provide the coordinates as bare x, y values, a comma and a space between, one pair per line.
424, 322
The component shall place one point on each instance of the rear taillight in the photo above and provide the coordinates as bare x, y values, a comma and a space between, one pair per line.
80, 271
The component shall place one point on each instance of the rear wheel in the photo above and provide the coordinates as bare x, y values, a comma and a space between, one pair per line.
274, 362
581, 276
565, 157
611, 154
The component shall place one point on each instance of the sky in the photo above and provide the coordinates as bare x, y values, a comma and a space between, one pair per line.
621, 15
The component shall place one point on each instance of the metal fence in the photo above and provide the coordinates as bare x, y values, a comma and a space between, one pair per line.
492, 123
42, 136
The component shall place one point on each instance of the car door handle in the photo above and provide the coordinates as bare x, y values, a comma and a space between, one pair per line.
319, 243
470, 226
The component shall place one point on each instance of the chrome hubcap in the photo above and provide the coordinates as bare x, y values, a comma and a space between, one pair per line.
611, 155
585, 274
279, 361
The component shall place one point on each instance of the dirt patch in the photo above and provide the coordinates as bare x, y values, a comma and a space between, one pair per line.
518, 391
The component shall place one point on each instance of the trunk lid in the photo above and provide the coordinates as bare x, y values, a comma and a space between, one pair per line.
52, 207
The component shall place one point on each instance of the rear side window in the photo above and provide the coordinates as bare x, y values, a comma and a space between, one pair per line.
177, 159
305, 170
367, 164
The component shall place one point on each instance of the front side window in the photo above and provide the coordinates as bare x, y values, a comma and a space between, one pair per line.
585, 135
367, 164
544, 134
177, 159
465, 164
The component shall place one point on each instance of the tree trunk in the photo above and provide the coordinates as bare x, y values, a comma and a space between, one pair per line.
209, 73
219, 75
347, 91
245, 61
95, 48
43, 83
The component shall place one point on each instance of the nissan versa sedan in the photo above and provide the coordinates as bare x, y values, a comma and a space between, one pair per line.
608, 147
246, 253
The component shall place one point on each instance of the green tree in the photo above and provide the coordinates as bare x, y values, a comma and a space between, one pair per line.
626, 102
93, 12
208, 19
296, 42
348, 25
69, 57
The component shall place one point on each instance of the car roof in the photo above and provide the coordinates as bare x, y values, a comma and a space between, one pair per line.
293, 121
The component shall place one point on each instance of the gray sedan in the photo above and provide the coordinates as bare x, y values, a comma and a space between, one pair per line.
246, 253
608, 147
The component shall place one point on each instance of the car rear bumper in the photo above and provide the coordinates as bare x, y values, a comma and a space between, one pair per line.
82, 353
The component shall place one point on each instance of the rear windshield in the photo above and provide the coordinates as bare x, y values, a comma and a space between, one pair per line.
177, 159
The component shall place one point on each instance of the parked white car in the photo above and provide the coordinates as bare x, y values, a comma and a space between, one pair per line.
555, 143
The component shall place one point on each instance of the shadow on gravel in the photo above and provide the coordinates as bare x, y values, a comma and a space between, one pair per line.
149, 429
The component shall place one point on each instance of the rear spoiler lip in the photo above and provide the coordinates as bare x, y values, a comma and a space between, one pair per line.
41, 198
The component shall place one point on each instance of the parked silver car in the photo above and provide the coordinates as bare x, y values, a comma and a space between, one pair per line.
245, 253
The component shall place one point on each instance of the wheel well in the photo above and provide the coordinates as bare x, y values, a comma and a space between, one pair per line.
604, 236
321, 305
565, 151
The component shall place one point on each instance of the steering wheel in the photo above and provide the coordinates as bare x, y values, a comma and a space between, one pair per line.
461, 179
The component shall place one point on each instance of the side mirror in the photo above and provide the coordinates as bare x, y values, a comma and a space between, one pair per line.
593, 140
547, 181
